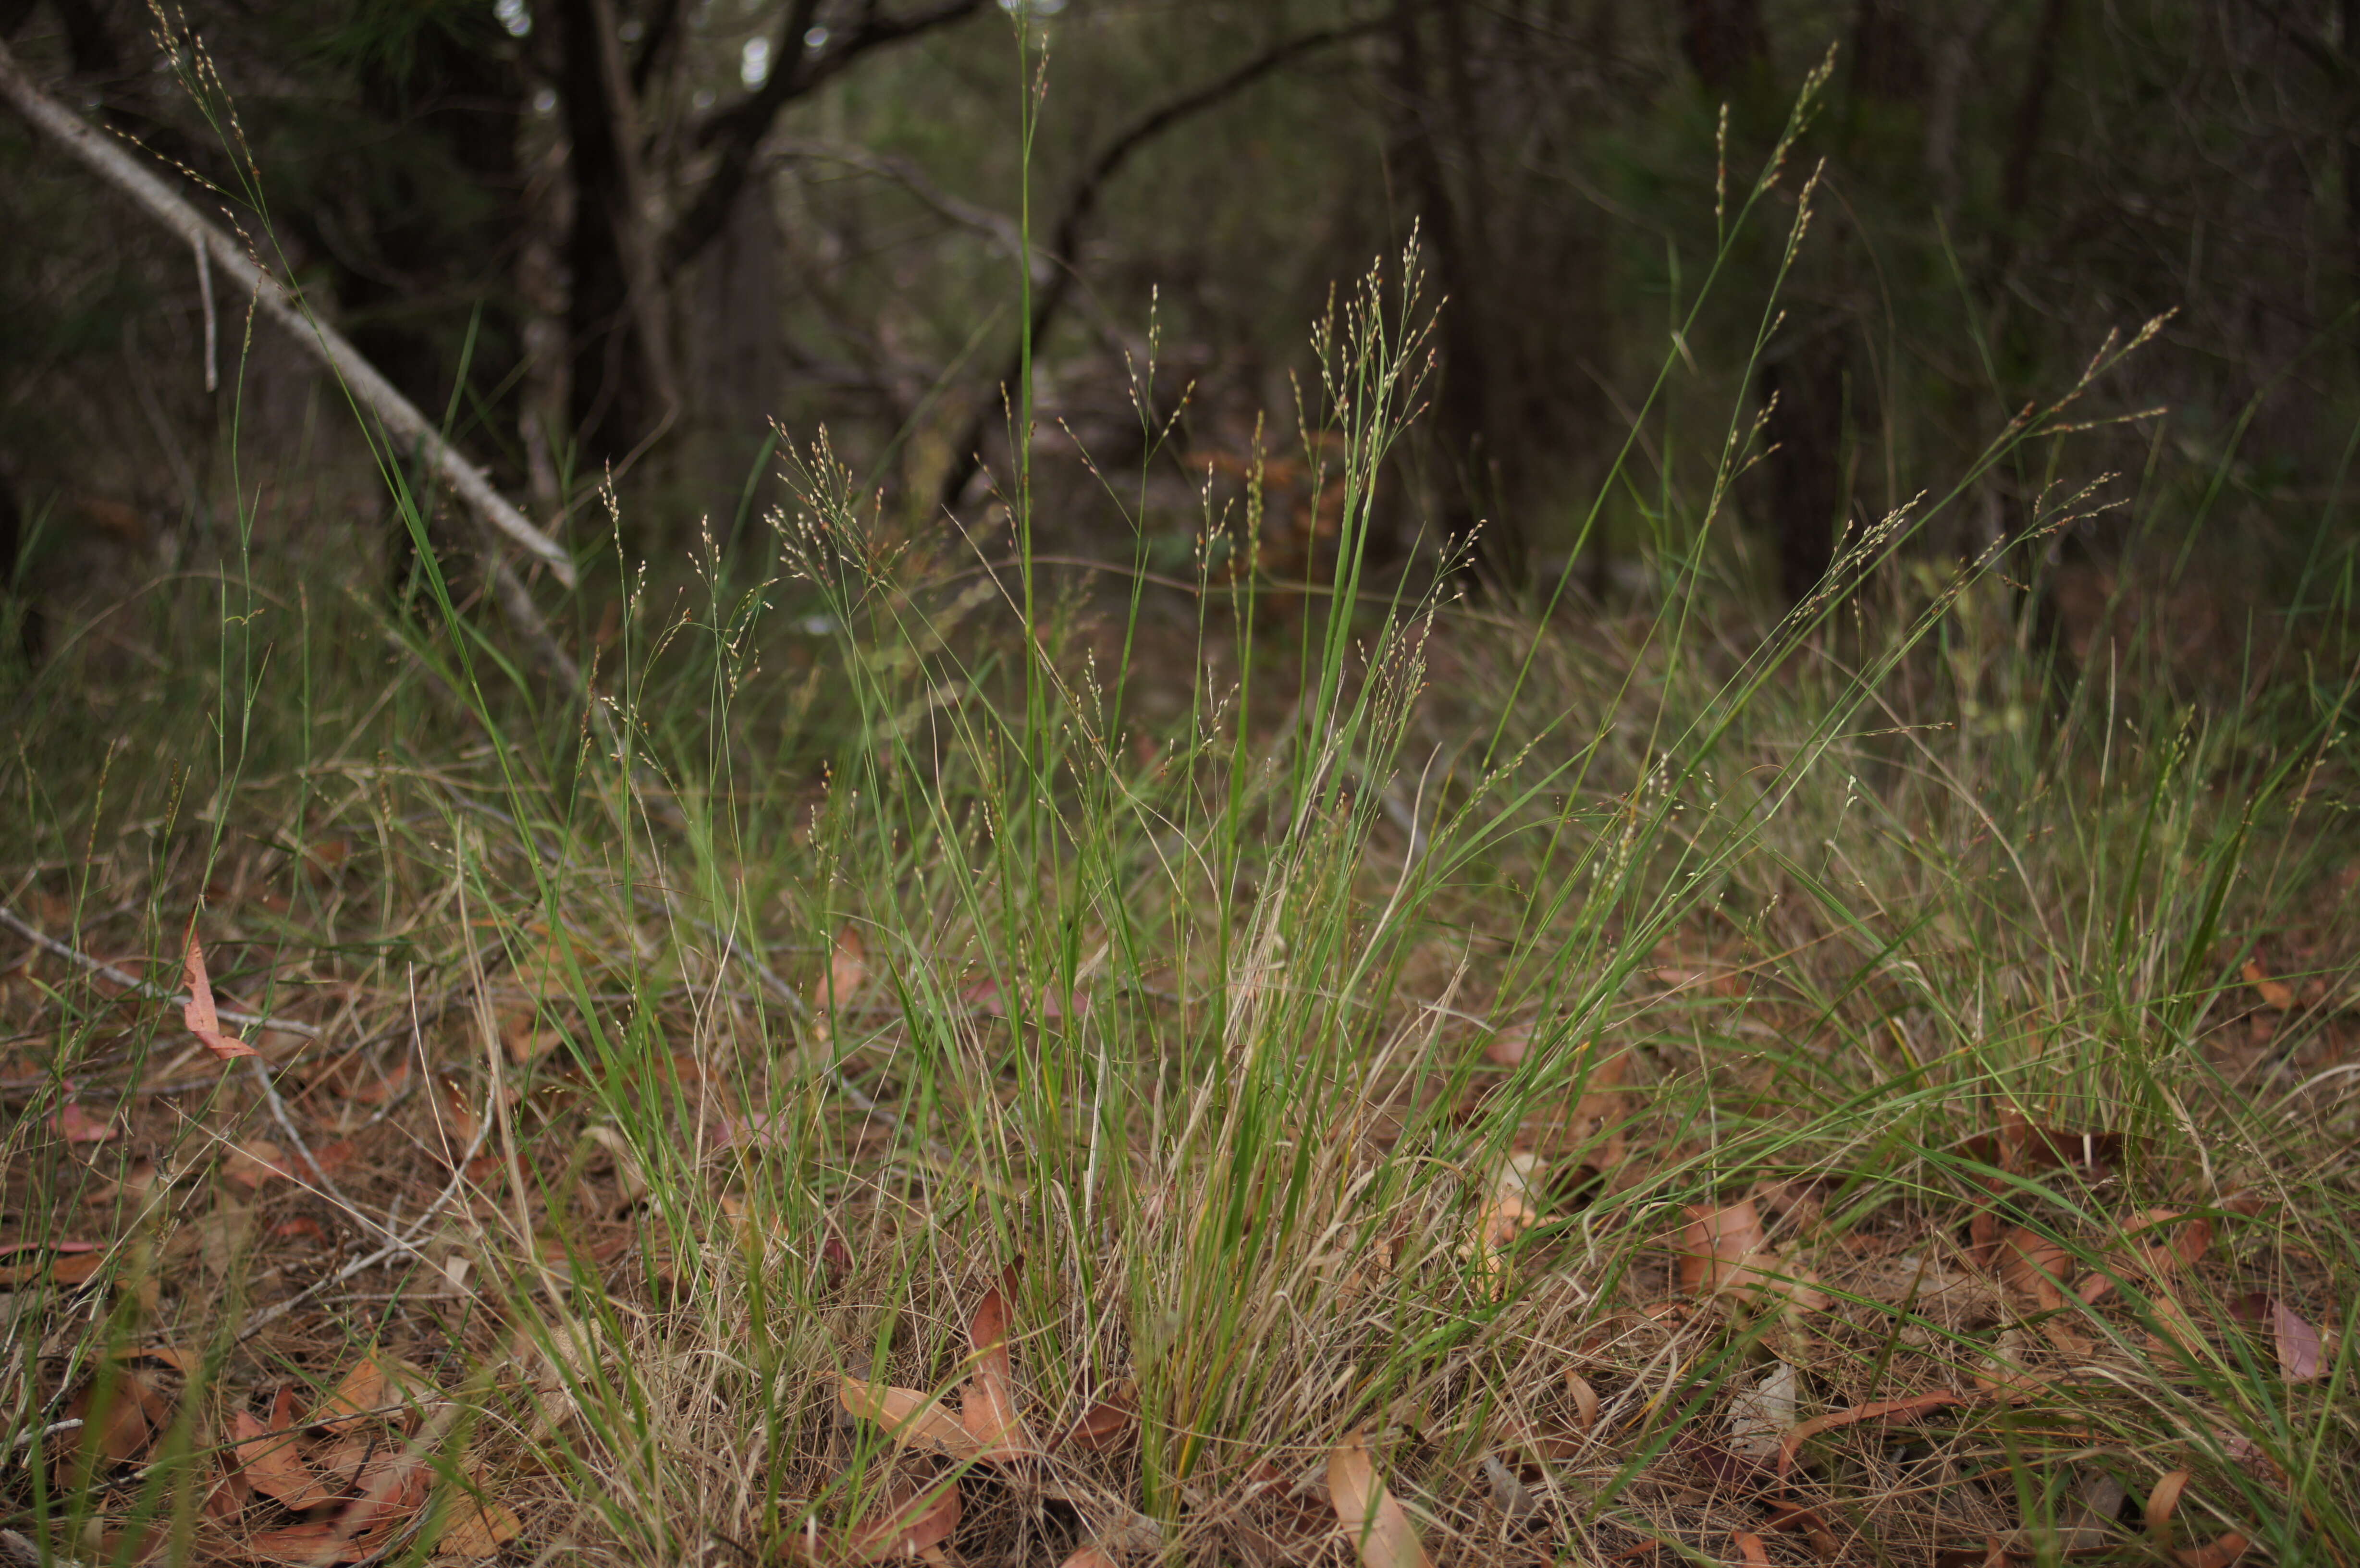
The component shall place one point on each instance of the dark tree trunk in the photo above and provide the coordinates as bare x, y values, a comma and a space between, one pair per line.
1724, 41
1801, 484
458, 94
15, 600
1803, 475
2348, 92
2032, 110
612, 379
1888, 58
1436, 110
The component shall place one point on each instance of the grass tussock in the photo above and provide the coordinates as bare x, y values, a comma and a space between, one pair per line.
943, 1060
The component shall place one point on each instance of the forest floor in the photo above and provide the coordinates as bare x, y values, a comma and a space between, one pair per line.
1652, 1087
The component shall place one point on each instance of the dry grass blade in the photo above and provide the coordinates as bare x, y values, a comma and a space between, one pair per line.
1379, 1531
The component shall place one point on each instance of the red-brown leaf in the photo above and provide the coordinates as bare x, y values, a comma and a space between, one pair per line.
1883, 1409
2276, 994
76, 1123
912, 1522
1100, 1427
989, 1411
266, 1456
2301, 1350
202, 1020
909, 1416
1378, 1529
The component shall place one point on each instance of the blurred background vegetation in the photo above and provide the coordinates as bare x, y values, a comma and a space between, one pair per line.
624, 236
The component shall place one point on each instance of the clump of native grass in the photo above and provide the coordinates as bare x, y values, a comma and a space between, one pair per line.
1548, 1067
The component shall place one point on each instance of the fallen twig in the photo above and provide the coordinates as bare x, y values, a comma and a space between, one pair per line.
264, 1317
404, 425
129, 982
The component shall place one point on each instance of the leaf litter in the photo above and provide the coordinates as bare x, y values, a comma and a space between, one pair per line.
1993, 1303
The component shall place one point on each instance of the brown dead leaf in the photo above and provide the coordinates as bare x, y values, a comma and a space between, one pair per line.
1509, 1046
2037, 1266
118, 1430
306, 1545
1882, 1410
200, 1014
1793, 1516
138, 1180
2162, 1502
2163, 1242
562, 1363
2004, 1375
1098, 1429
375, 1088
2275, 993
1585, 1400
1749, 1549
848, 969
1509, 1210
628, 1175
1089, 1557
523, 1039
477, 1525
229, 1495
28, 1261
1725, 1251
77, 1123
217, 1238
989, 1410
256, 1161
394, 1485
77, 1268
908, 1415
266, 1456
2023, 1149
2301, 1350
1718, 1248
990, 1000
179, 1358
912, 1522
379, 1386
1377, 1527
2218, 1552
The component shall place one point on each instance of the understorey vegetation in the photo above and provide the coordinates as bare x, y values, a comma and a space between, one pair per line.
924, 1050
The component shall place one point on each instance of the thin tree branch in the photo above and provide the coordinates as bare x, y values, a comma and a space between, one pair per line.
1001, 228
1049, 301
737, 131
109, 973
404, 425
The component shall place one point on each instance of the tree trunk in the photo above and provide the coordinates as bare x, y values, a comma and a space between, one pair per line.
1802, 483
1431, 112
1724, 41
2032, 110
1803, 475
613, 396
